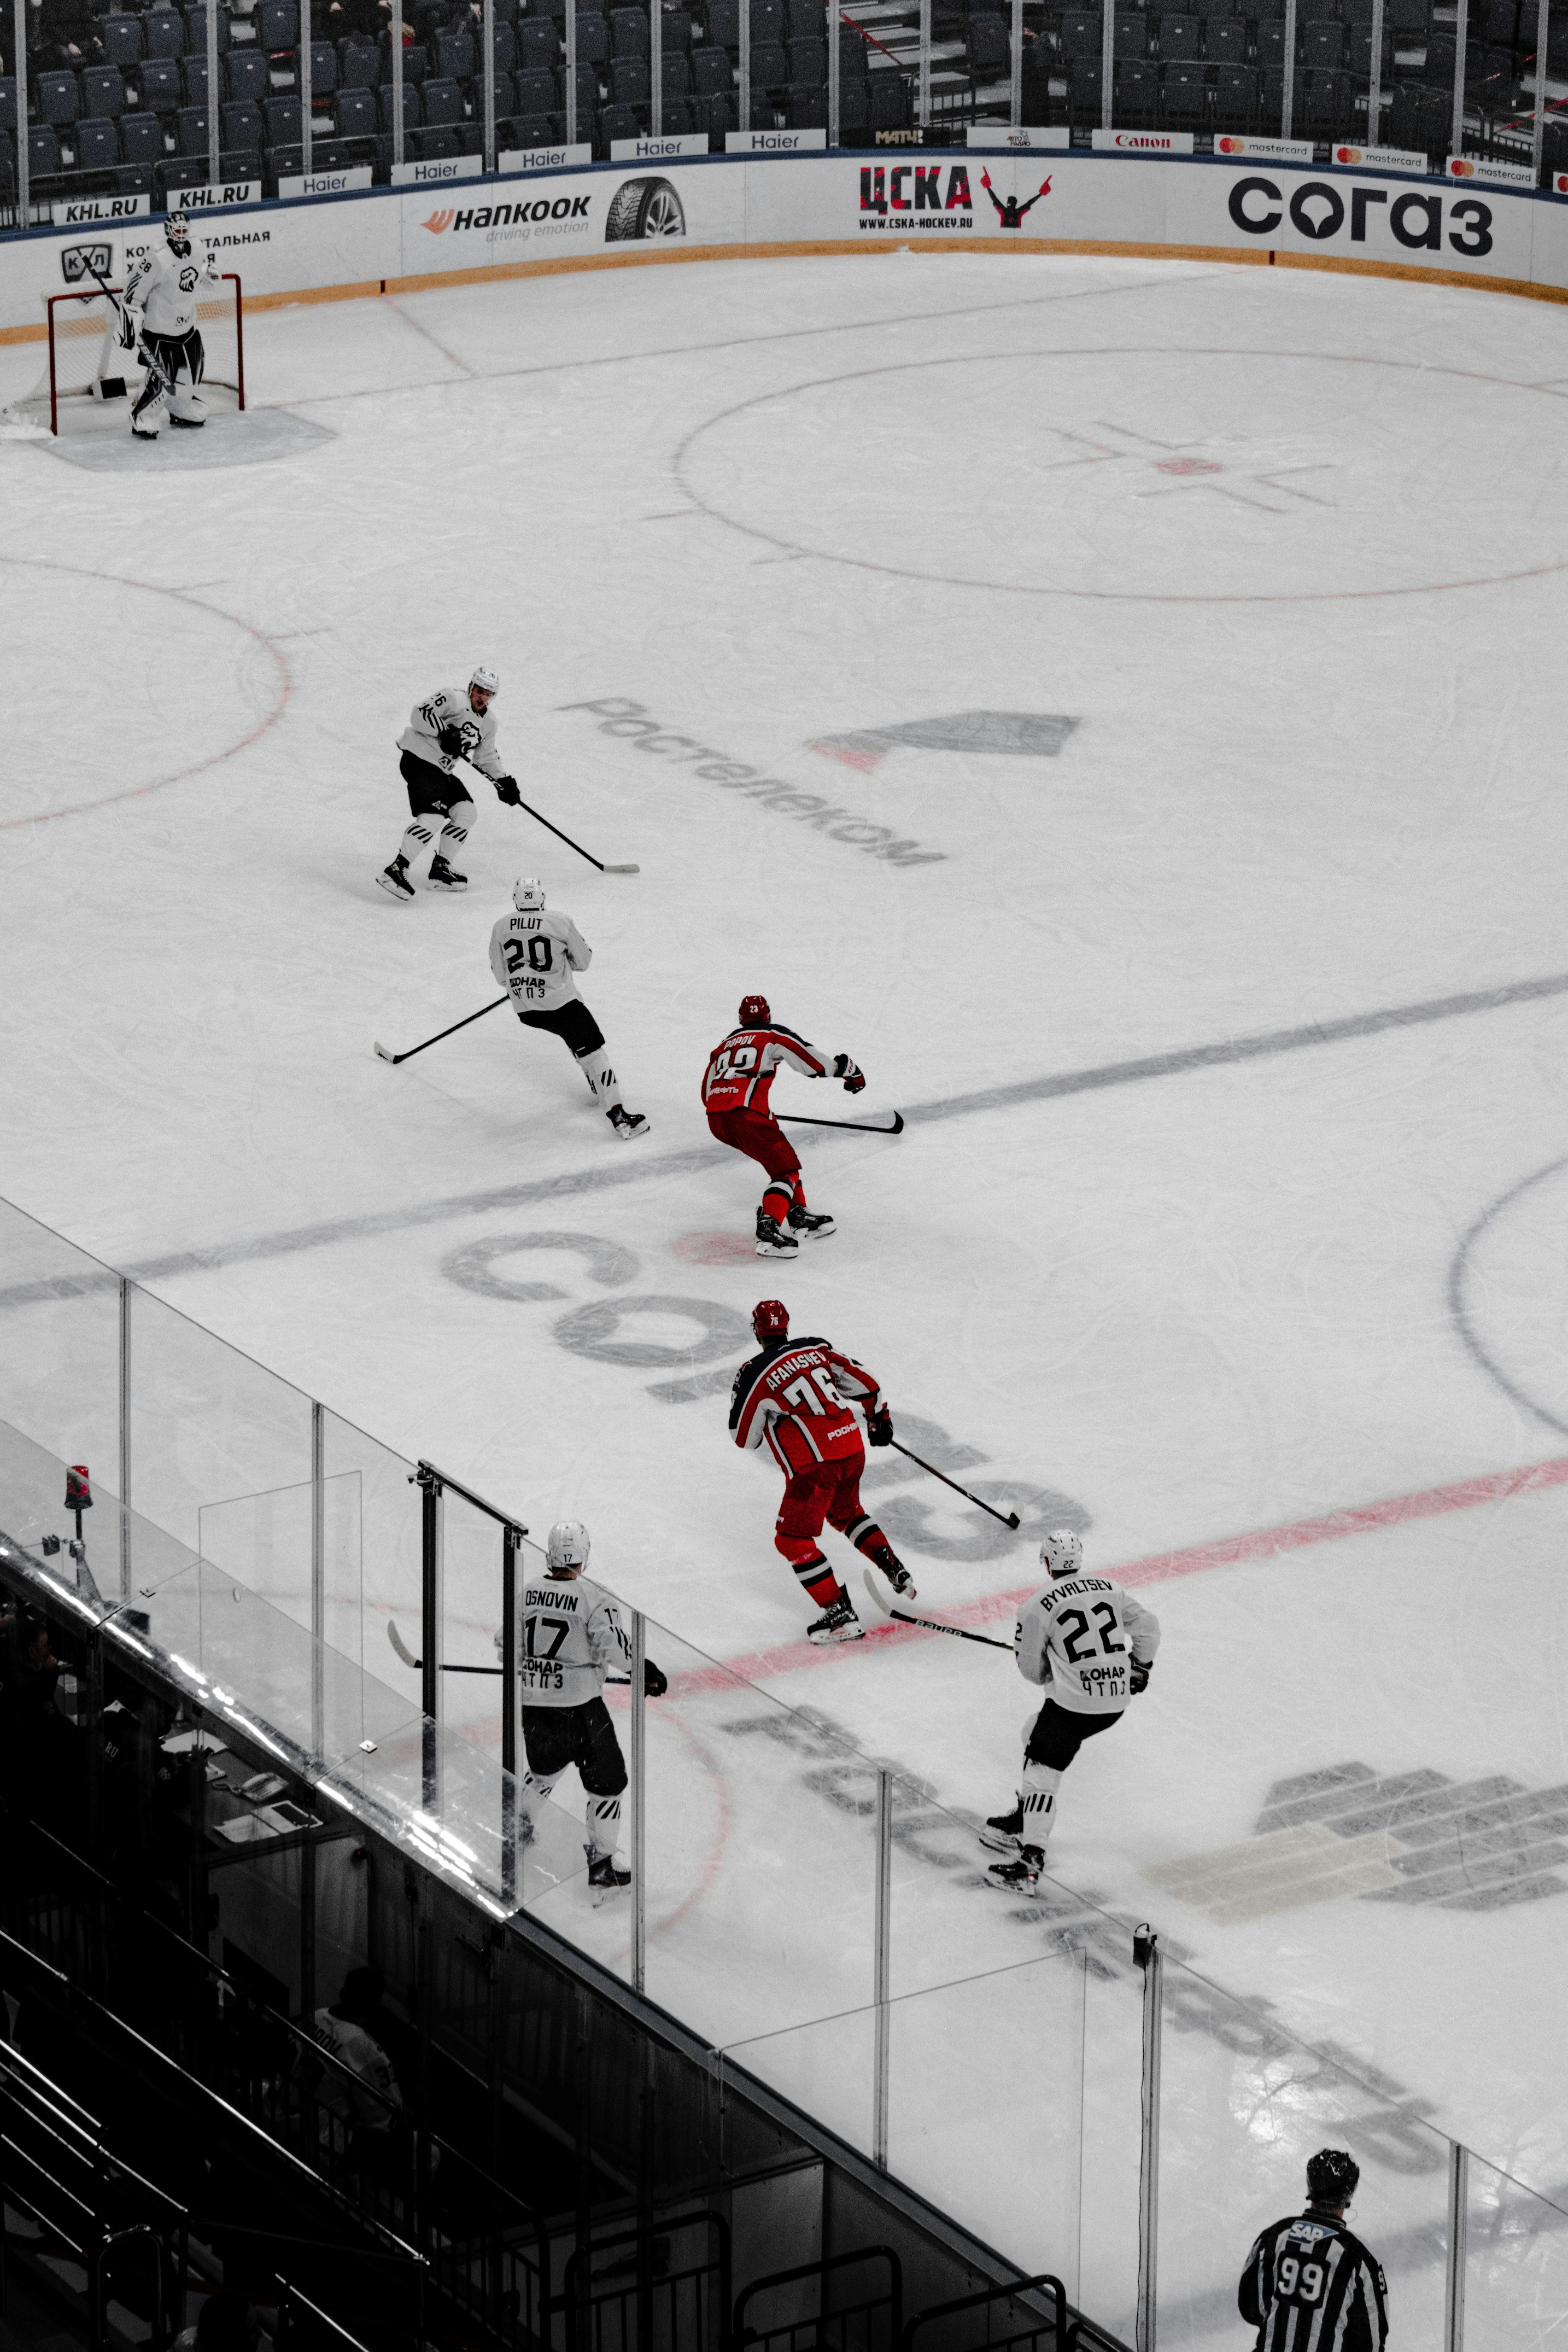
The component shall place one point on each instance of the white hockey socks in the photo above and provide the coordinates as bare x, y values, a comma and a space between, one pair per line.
453, 837
416, 840
606, 1086
535, 1788
1037, 1803
603, 1819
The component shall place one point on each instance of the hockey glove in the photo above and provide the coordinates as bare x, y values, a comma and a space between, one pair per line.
855, 1080
450, 739
879, 1426
655, 1682
127, 330
506, 792
1139, 1676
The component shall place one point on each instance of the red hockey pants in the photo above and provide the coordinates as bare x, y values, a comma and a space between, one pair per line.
764, 1139
828, 1491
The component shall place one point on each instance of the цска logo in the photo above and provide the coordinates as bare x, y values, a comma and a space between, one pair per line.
80, 261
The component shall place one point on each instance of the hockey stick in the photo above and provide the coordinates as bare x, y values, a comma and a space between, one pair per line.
927, 1624
135, 349
576, 845
1007, 1519
851, 1125
442, 1033
406, 1655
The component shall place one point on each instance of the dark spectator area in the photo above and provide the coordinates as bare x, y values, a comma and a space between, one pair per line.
119, 97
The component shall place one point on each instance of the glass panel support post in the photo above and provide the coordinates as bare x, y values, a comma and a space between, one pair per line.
1288, 101
511, 1544
881, 1962
1146, 1953
656, 64
639, 1799
215, 165
923, 78
570, 72
1108, 59
126, 1290
1015, 93
835, 35
397, 82
19, 66
317, 1582
488, 34
307, 93
430, 1619
1538, 127
1459, 2223
745, 65
1374, 83
1461, 31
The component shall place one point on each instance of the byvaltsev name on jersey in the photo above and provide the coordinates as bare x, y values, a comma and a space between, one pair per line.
1079, 1637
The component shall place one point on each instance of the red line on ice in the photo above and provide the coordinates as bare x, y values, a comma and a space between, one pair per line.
1260, 1543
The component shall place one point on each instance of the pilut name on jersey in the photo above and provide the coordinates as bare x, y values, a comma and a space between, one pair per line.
741, 1070
795, 1398
534, 956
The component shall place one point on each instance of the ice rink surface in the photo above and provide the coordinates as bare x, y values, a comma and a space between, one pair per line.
1230, 603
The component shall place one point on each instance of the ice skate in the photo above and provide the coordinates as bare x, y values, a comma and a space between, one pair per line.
1019, 1877
188, 424
142, 431
1003, 1833
892, 1568
808, 1227
605, 1874
445, 877
838, 1622
628, 1124
772, 1241
394, 879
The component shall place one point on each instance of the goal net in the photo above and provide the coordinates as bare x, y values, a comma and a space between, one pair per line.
89, 380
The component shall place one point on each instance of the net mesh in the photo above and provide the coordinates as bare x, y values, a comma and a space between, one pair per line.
85, 360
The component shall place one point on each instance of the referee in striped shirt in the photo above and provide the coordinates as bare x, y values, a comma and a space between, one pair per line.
1310, 2286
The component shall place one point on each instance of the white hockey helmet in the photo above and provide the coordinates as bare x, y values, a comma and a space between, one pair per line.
177, 229
486, 680
567, 1545
1061, 1553
528, 896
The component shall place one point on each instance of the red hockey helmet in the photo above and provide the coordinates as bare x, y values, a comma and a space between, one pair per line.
770, 1319
754, 1010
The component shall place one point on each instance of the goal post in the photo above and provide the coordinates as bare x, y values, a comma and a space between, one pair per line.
86, 363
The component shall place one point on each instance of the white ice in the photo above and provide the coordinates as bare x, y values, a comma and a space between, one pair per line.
1290, 548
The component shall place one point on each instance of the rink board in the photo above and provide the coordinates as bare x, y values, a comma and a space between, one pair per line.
1456, 232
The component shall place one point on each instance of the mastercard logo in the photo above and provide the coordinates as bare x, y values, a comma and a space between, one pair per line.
1559, 183
1459, 170
1231, 146
1347, 154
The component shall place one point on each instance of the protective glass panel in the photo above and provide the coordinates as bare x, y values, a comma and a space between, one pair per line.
1516, 2271
827, 2067
389, 1510
206, 1423
269, 1543
59, 1346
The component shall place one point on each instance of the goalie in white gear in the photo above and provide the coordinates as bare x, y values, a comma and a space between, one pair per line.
534, 955
158, 320
570, 1638
1092, 1646
450, 724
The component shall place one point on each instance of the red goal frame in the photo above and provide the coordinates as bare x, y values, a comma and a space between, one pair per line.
89, 293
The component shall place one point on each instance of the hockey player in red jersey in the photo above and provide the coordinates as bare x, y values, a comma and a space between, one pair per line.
736, 1085
794, 1397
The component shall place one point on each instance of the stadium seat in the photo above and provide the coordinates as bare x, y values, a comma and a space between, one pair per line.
240, 127
724, 21
629, 84
438, 145
1083, 90
97, 144
163, 33
1407, 20
356, 69
190, 130
354, 114
323, 69
455, 57
1235, 98
677, 118
196, 30
1081, 34
1183, 97
193, 79
853, 56
807, 20
806, 104
1225, 40
1361, 52
120, 34
628, 33
1180, 37
1322, 43
505, 103
1271, 43
1130, 33
161, 90
1209, 8
141, 139
769, 66
102, 92
536, 93
503, 53
57, 98
676, 75
43, 152
276, 25
443, 103
713, 76
531, 130
592, 38
1420, 118
714, 112
8, 103
990, 51
1324, 106
889, 101
808, 65
1137, 85
412, 106
676, 31
539, 43
282, 118
618, 122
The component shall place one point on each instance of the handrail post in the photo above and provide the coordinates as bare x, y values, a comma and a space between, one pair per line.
1014, 87
656, 67
395, 61
639, 1802
511, 1544
1288, 95
430, 1628
126, 1288
881, 1964
744, 64
24, 153
1461, 37
1374, 84
317, 1582
214, 155
1146, 1954
835, 63
1107, 61
1459, 2232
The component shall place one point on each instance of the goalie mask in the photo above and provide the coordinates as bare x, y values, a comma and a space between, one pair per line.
529, 898
177, 229
1061, 1553
567, 1546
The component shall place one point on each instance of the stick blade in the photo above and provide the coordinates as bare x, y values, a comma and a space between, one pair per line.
1013, 1520
622, 869
897, 1127
382, 1051
399, 1646
879, 1600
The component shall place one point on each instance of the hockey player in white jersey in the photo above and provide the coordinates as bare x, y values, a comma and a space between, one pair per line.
450, 724
570, 1638
157, 319
1092, 1646
534, 954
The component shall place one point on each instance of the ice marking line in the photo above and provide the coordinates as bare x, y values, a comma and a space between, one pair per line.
571, 1183
1459, 1303
182, 596
1097, 595
419, 329
1225, 1551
